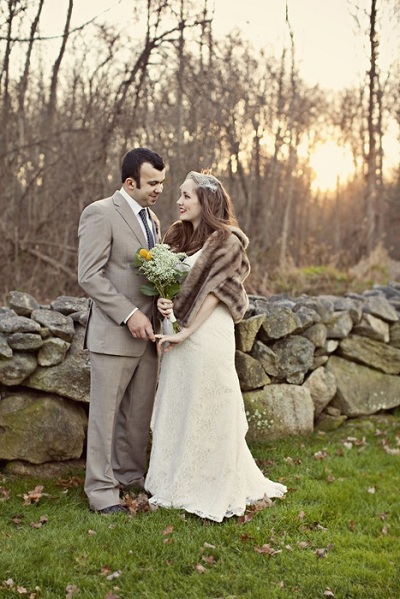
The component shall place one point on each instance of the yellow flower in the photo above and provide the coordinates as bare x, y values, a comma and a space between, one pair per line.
143, 253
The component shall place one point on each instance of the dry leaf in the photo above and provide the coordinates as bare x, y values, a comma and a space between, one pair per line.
302, 544
301, 515
114, 575
71, 589
320, 552
372, 490
4, 494
200, 569
209, 559
168, 530
267, 549
69, 483
35, 495
91, 533
328, 592
22, 590
110, 595
390, 451
321, 455
209, 546
105, 571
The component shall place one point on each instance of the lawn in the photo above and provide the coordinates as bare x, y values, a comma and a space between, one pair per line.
336, 533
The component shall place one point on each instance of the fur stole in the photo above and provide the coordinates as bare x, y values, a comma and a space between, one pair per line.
220, 269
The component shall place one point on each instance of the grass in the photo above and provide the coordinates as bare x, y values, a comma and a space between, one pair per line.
336, 534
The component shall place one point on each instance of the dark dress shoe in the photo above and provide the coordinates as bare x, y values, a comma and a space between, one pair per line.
114, 509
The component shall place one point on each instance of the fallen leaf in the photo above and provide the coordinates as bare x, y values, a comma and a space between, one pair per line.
71, 589
91, 533
321, 455
168, 540
301, 515
328, 592
200, 569
168, 530
384, 530
383, 516
372, 490
331, 478
302, 544
320, 552
4, 494
267, 549
351, 525
245, 519
42, 520
105, 571
35, 495
17, 519
114, 575
209, 546
74, 481
390, 451
209, 559
110, 595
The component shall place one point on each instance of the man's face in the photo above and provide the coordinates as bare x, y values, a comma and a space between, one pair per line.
151, 185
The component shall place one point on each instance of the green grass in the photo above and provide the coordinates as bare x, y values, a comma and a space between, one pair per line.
330, 506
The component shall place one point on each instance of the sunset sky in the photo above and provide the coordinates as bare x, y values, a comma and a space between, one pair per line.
331, 48
329, 45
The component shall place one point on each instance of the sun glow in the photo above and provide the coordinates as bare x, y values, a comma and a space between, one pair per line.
332, 164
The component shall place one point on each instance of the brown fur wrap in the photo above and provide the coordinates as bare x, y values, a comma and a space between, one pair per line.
220, 269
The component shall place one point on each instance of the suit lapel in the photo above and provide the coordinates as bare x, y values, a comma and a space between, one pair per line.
127, 214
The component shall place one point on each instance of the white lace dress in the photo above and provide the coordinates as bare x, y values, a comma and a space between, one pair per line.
199, 460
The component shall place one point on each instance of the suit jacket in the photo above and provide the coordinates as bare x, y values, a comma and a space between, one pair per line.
109, 236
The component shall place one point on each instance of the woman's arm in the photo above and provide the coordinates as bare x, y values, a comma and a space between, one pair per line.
207, 308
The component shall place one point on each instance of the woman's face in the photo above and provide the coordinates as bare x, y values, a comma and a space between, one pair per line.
188, 204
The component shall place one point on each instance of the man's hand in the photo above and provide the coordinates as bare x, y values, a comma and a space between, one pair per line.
140, 326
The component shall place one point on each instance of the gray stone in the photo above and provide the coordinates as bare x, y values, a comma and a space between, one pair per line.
362, 391
371, 353
66, 304
266, 357
394, 340
351, 305
47, 470
323, 306
339, 325
58, 324
372, 327
295, 356
40, 428
328, 423
322, 386
25, 341
316, 334
278, 411
379, 306
5, 349
250, 372
70, 378
16, 369
52, 351
246, 332
319, 361
9, 323
307, 317
280, 321
22, 303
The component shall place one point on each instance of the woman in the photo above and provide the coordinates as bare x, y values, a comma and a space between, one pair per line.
200, 460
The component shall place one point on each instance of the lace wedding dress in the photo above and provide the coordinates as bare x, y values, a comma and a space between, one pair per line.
199, 460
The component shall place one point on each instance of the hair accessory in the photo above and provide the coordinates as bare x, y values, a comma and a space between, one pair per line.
203, 180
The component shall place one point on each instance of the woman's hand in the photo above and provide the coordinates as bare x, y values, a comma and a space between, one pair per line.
165, 306
171, 341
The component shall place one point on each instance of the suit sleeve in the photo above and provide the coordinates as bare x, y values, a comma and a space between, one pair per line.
95, 241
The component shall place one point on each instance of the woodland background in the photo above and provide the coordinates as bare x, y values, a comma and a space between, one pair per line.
67, 119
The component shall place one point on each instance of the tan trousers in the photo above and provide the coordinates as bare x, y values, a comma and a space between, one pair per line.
121, 402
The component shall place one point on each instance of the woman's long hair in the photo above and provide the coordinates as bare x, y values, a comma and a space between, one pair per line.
217, 214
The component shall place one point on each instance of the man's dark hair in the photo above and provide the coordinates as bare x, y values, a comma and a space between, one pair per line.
134, 159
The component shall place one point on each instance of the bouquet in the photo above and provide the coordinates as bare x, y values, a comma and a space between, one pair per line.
165, 272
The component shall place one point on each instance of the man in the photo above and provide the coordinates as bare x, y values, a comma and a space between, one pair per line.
120, 333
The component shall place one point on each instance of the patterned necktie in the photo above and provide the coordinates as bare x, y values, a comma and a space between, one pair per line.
149, 234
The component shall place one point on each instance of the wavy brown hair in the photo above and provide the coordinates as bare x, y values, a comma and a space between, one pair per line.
217, 214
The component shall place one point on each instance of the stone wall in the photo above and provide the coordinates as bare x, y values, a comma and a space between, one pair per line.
302, 362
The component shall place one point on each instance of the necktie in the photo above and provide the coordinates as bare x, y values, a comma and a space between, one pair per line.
149, 234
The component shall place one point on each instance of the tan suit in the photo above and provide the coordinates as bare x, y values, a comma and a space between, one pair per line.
123, 369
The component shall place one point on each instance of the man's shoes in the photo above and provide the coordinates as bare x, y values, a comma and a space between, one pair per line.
114, 509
